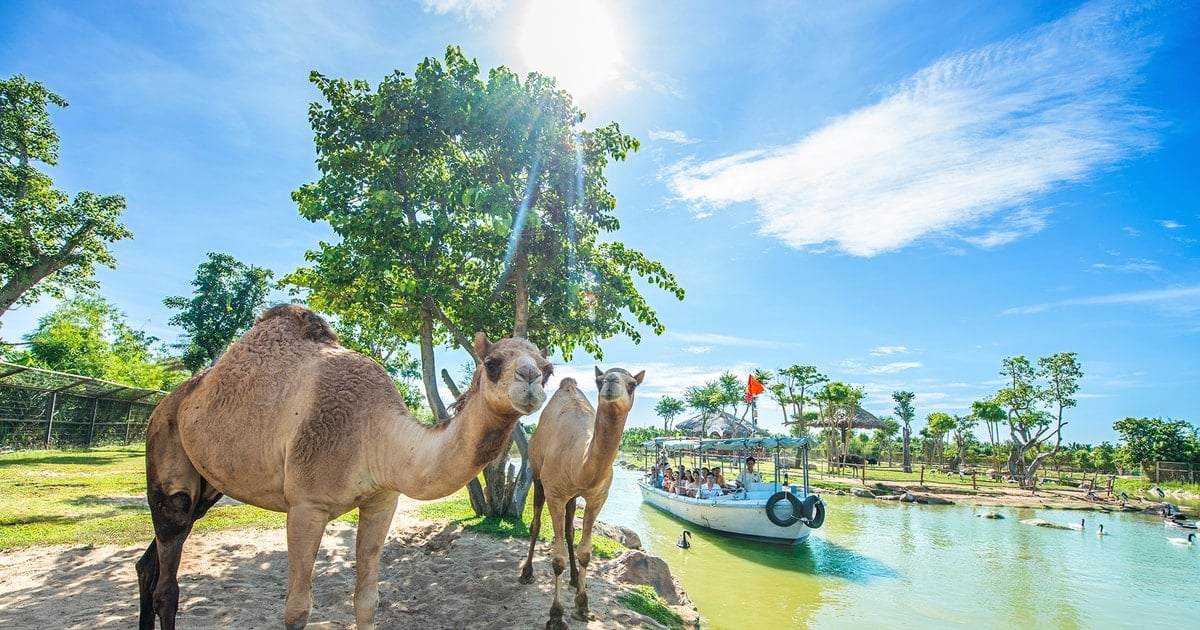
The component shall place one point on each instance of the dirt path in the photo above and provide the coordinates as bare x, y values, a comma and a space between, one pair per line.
433, 575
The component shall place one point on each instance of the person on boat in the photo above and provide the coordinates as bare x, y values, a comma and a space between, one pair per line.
749, 476
720, 477
669, 481
687, 484
709, 489
658, 477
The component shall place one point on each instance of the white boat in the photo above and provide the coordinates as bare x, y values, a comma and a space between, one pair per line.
774, 511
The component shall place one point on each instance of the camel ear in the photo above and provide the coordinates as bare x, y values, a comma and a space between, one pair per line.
482, 345
598, 372
640, 376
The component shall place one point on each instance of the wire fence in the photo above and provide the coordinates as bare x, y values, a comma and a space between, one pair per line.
45, 409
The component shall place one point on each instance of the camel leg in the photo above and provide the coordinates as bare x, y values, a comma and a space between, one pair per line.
305, 526
535, 528
570, 538
374, 521
558, 557
584, 555
177, 496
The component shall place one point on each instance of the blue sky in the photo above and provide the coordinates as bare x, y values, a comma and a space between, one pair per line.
899, 193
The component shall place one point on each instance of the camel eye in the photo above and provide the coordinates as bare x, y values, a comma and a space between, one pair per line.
631, 386
493, 369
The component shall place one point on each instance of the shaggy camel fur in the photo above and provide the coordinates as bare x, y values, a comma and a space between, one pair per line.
288, 420
572, 453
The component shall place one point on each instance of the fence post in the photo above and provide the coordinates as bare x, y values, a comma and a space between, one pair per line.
922, 474
92, 426
973, 485
128, 419
50, 416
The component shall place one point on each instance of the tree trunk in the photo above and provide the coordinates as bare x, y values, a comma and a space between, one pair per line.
429, 366
907, 462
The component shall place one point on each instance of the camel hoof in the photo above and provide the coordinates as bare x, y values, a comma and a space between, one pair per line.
556, 624
525, 579
581, 615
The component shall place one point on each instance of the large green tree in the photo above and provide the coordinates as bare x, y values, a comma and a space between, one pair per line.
1145, 441
706, 399
904, 409
1035, 401
49, 242
86, 335
992, 415
229, 295
464, 204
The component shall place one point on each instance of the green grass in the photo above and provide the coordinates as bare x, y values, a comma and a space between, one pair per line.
97, 496
457, 509
644, 600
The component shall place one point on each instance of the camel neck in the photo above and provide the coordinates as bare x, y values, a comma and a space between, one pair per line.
430, 462
606, 439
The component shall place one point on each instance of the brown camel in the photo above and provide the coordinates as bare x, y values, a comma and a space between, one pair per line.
289, 420
572, 453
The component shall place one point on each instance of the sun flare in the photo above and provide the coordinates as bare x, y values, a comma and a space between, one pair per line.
576, 42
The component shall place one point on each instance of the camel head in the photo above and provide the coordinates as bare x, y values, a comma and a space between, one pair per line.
512, 375
616, 388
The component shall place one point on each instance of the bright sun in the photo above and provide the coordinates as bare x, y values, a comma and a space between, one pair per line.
574, 41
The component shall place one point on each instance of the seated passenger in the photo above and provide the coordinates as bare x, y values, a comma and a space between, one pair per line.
710, 489
720, 477
669, 481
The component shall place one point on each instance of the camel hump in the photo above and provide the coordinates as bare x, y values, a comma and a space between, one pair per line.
568, 383
308, 324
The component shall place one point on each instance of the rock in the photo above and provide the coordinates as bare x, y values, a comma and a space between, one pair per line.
928, 500
990, 515
619, 533
908, 497
862, 492
636, 567
888, 497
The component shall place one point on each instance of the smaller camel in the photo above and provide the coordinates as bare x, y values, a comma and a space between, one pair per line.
291, 421
572, 453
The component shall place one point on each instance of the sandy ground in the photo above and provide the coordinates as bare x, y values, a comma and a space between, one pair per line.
433, 575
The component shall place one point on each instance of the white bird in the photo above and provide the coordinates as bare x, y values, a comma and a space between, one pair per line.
1077, 527
1100, 531
1183, 541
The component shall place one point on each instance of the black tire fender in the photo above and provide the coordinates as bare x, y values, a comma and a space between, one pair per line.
813, 511
791, 499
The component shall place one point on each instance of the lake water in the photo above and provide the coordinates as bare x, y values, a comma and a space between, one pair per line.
919, 566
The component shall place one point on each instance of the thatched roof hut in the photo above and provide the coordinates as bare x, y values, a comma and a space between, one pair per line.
863, 419
718, 425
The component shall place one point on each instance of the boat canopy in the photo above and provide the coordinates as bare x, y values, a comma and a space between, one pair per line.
732, 444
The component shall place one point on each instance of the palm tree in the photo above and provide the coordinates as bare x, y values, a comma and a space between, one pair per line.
904, 409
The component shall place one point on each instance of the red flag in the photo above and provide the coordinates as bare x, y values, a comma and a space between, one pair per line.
753, 388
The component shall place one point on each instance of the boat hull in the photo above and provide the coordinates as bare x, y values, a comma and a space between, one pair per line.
744, 516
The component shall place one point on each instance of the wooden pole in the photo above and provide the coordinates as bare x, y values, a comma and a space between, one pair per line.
922, 474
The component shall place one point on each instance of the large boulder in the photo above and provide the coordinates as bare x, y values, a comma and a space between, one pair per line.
636, 567
862, 492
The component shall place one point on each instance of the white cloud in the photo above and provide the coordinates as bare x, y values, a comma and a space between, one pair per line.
698, 349
962, 142
1132, 231
713, 339
1170, 225
1178, 296
676, 136
1133, 265
853, 367
886, 350
467, 8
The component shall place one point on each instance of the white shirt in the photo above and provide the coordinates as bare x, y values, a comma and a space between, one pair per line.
709, 491
746, 477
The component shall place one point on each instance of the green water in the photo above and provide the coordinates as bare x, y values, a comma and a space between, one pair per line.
919, 566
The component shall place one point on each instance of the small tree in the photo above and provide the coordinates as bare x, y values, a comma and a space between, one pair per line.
49, 244
227, 298
904, 409
667, 408
706, 399
798, 383
1035, 413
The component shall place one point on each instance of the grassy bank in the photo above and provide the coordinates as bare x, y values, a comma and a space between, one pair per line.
95, 496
